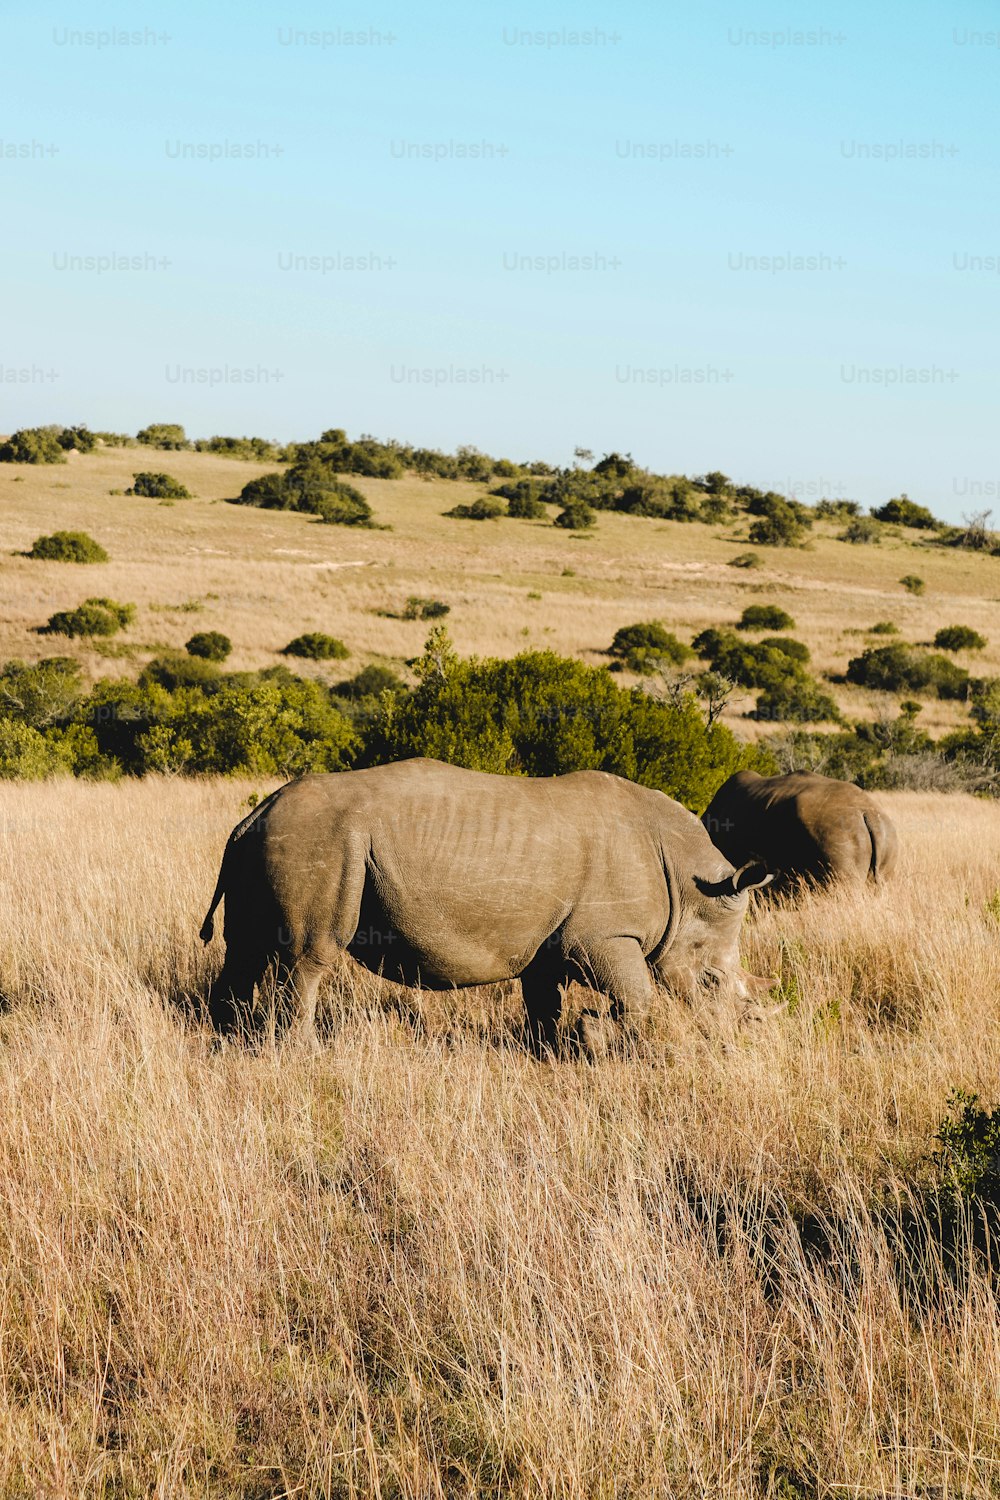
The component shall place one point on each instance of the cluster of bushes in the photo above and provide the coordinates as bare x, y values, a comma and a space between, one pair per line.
260, 449
537, 714
45, 445
646, 648
908, 669
776, 667
540, 714
310, 485
482, 509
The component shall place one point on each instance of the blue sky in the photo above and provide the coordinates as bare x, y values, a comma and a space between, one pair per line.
567, 222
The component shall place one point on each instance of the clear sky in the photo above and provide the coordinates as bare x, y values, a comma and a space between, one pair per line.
762, 239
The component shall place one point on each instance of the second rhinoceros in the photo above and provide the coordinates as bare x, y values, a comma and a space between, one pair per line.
433, 875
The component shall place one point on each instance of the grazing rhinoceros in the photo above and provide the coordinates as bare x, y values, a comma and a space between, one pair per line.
438, 876
802, 826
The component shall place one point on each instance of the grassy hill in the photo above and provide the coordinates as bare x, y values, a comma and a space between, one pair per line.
263, 577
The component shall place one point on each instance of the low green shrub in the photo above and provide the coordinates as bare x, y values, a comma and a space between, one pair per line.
158, 487
417, 608
902, 668
647, 647
746, 560
795, 650
765, 617
883, 627
780, 523
371, 682
523, 498
315, 646
68, 546
483, 509
41, 694
312, 486
167, 435
92, 617
862, 531
912, 584
576, 516
959, 638
210, 645
28, 755
33, 445
905, 512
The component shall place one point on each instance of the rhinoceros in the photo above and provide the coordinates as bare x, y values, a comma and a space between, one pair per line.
802, 826
433, 875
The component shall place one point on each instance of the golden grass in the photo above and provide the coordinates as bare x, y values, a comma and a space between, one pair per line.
419, 1264
263, 577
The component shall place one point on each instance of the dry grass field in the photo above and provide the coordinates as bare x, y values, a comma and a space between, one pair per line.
264, 577
418, 1264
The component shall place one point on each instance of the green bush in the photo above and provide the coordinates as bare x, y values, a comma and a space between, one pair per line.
797, 699
210, 645
257, 448
883, 627
837, 510
901, 668
780, 523
542, 715
576, 516
765, 617
68, 546
905, 512
912, 584
795, 650
168, 435
862, 531
524, 500
177, 670
968, 1151
315, 646
371, 682
158, 487
774, 665
959, 638
268, 723
647, 647
42, 694
311, 486
92, 617
425, 609
746, 560
270, 492
33, 445
483, 509
343, 506
28, 755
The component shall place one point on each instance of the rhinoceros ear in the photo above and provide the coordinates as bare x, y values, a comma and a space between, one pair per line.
748, 877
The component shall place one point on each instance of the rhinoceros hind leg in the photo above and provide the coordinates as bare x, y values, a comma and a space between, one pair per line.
540, 988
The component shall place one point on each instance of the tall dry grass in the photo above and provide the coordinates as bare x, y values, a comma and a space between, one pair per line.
419, 1264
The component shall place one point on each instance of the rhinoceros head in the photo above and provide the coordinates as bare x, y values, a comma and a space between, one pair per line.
702, 954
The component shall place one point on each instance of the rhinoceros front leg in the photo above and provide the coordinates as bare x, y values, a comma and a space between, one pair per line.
616, 967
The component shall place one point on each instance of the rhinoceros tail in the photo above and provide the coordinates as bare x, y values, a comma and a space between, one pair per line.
883, 837
208, 926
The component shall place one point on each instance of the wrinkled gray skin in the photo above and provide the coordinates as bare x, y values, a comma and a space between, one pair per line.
438, 876
802, 826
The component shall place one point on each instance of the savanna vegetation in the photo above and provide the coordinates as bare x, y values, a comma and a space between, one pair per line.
741, 1263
